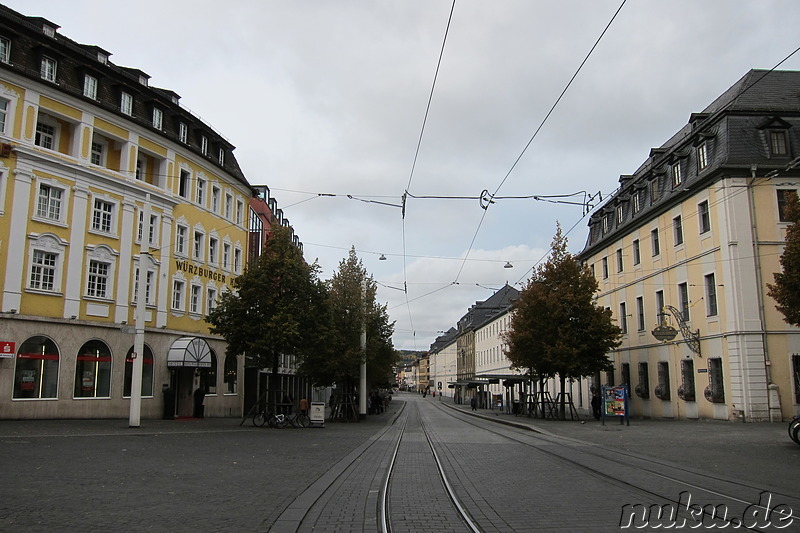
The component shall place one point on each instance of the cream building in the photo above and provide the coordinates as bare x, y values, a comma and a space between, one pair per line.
103, 176
689, 241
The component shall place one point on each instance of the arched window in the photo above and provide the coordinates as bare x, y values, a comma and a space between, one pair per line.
147, 372
36, 374
93, 371
209, 375
230, 374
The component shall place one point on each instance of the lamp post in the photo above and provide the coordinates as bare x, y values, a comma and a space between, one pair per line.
141, 307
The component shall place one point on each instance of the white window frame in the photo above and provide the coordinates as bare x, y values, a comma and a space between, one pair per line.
228, 206
90, 86
45, 263
181, 239
45, 206
103, 216
149, 290
198, 244
702, 157
213, 250
221, 156
158, 118
712, 302
101, 254
704, 217
184, 182
200, 190
211, 299
204, 145
126, 103
215, 197
178, 297
44, 138
5, 50
48, 69
98, 152
239, 212
183, 133
97, 279
226, 256
153, 230
237, 260
195, 298
677, 177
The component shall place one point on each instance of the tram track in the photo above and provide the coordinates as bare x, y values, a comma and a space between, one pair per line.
615, 462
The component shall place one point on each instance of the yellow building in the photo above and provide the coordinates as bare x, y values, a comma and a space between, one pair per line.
689, 242
96, 167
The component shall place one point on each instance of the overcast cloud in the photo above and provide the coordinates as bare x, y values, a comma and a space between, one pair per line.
330, 97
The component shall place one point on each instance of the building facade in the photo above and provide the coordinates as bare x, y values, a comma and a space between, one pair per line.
103, 176
683, 252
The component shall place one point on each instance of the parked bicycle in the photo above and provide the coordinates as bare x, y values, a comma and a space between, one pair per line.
794, 429
264, 417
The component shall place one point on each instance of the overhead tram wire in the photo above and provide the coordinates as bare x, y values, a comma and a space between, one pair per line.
416, 155
535, 133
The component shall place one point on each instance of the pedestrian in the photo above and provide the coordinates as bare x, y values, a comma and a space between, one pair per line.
596, 405
473, 403
304, 406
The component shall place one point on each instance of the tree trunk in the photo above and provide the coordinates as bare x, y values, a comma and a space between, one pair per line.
562, 413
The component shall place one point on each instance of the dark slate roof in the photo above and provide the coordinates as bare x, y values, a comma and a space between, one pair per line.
487, 310
733, 127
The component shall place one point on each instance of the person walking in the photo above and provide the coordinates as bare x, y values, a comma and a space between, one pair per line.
473, 403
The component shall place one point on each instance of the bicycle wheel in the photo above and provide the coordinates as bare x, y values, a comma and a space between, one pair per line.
259, 419
281, 421
793, 425
303, 421
796, 432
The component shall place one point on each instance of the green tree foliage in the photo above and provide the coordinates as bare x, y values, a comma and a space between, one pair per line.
556, 327
343, 364
786, 289
277, 306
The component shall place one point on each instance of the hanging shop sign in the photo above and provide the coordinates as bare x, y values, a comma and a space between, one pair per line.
7, 349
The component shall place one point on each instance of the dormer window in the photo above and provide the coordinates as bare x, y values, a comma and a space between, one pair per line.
49, 30
183, 133
126, 104
5, 50
90, 87
102, 58
204, 144
158, 118
777, 143
619, 214
221, 156
637, 202
143, 80
48, 69
677, 179
702, 157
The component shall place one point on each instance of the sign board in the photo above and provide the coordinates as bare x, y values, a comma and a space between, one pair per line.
615, 403
7, 349
317, 414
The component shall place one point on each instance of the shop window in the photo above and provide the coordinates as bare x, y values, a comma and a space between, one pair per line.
93, 371
231, 369
208, 376
147, 372
796, 373
662, 389
36, 372
715, 392
686, 390
643, 388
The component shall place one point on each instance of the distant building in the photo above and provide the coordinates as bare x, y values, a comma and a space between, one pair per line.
690, 241
96, 165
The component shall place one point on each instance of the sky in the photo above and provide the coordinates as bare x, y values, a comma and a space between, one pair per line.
341, 107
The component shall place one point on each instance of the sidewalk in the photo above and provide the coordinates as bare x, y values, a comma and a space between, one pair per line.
761, 453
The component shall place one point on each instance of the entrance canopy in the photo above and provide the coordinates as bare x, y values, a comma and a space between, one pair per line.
189, 352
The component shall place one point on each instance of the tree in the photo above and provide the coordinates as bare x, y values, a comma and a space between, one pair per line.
786, 289
341, 364
556, 327
277, 306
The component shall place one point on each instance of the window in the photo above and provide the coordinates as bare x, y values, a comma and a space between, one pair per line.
619, 260
702, 157
183, 133
201, 191
208, 376
97, 279
199, 239
5, 50
239, 211
90, 87
654, 242
215, 192
703, 217
93, 371
152, 229
625, 372
45, 135
97, 156
230, 374
183, 183
226, 256
158, 118
711, 295
637, 202
43, 270
49, 202
213, 250
640, 313
777, 143
4, 107
605, 268
620, 213
237, 261
655, 192
36, 372
48, 69
783, 199
126, 103
211, 300
204, 145
686, 390
228, 206
177, 294
623, 318
677, 227
796, 373
606, 223
659, 304
148, 289
643, 388
715, 392
181, 232
683, 300
221, 156
637, 256
147, 373
677, 179
592, 269
194, 299
662, 391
